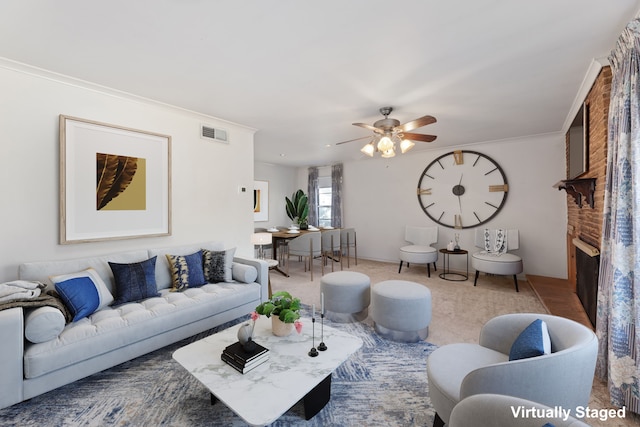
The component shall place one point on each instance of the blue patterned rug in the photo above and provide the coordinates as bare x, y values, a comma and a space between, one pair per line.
383, 384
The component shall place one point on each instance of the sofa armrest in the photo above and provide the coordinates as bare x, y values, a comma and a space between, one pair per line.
11, 355
263, 274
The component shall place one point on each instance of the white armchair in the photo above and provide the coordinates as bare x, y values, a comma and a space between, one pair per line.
497, 410
495, 261
562, 378
420, 251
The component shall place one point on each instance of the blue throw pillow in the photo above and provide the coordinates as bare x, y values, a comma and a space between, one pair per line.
80, 295
135, 282
186, 271
533, 341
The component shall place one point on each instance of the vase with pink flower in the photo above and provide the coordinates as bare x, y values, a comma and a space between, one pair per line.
245, 333
284, 311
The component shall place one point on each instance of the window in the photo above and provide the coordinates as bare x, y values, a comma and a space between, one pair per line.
324, 201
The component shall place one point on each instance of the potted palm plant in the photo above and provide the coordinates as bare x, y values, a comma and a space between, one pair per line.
298, 209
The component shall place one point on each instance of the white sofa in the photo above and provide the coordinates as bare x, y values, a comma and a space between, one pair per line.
114, 335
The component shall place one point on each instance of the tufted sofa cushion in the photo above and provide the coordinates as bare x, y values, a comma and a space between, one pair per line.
113, 328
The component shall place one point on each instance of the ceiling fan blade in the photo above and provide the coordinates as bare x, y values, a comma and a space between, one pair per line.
351, 140
417, 123
366, 126
419, 137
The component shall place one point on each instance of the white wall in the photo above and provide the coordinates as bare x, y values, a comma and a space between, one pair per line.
206, 203
282, 183
380, 199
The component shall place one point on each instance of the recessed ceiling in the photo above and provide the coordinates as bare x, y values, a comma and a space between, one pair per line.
302, 72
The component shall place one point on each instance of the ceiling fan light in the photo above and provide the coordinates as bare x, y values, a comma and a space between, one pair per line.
368, 149
389, 153
406, 145
385, 144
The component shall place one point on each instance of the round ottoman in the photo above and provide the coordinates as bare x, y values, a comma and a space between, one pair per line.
346, 296
401, 310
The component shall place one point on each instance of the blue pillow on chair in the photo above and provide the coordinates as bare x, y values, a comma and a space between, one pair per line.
533, 341
135, 282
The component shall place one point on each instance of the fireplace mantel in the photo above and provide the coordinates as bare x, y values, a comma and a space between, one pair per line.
579, 189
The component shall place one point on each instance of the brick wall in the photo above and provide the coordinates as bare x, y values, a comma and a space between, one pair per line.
586, 222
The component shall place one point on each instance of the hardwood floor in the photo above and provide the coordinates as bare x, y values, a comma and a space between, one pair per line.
559, 298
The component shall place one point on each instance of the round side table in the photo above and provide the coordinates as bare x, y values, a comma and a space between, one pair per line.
447, 274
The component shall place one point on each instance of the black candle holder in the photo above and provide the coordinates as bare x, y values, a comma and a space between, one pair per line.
322, 346
313, 352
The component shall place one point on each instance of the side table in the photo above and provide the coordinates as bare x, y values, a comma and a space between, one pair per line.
447, 274
273, 264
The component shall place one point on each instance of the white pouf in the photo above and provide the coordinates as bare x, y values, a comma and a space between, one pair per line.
346, 296
401, 310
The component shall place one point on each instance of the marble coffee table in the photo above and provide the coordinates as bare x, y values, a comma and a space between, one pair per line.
263, 394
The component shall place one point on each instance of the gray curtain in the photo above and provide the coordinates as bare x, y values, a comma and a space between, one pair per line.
618, 296
312, 193
336, 195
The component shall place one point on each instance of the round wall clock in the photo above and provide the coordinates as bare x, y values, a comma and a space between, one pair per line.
462, 189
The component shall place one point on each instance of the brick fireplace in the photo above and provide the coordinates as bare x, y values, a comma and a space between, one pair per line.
584, 223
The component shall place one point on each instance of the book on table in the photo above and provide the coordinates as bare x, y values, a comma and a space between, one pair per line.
237, 352
243, 369
242, 360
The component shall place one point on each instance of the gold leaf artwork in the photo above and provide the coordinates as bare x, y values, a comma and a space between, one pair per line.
113, 175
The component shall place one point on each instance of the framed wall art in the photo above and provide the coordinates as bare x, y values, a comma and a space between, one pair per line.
115, 182
261, 201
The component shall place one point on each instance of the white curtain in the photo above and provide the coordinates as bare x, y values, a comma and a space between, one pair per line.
618, 294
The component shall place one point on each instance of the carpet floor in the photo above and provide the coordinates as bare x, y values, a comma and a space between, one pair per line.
373, 388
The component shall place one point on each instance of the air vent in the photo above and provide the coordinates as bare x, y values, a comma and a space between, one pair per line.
208, 132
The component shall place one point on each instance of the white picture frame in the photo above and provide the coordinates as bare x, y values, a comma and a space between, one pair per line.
84, 216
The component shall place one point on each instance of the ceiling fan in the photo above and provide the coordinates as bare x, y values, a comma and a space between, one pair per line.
388, 132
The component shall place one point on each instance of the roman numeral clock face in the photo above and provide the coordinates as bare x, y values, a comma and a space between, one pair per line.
462, 189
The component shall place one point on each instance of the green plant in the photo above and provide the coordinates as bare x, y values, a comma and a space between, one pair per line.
283, 305
298, 207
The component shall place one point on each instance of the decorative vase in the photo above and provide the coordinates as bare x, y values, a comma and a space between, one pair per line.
244, 337
279, 328
304, 226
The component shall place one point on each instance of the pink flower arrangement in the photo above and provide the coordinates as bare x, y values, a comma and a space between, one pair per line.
298, 325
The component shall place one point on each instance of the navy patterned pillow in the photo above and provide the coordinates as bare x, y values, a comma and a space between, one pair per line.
186, 271
533, 341
134, 282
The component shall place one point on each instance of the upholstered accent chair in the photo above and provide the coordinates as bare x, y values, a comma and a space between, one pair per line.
420, 250
307, 246
495, 262
496, 410
347, 241
331, 247
561, 378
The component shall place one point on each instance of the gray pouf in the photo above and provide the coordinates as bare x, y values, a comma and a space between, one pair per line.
401, 310
346, 296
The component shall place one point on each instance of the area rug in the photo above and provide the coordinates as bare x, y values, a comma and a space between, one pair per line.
384, 383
